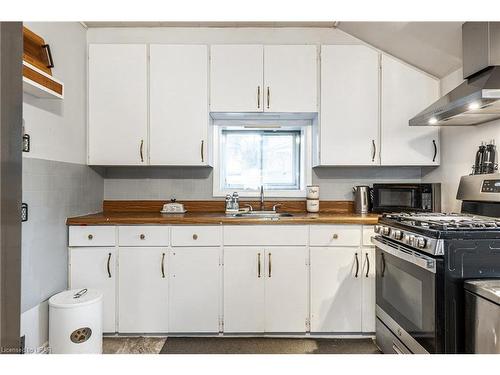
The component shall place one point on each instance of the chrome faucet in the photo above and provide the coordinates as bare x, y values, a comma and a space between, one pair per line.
262, 197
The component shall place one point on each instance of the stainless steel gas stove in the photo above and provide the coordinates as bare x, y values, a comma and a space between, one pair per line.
422, 260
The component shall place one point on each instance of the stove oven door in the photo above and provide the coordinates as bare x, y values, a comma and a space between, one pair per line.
405, 294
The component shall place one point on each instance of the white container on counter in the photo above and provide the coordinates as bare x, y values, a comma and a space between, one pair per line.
312, 205
312, 191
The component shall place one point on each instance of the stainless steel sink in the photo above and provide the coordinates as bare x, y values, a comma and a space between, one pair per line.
262, 214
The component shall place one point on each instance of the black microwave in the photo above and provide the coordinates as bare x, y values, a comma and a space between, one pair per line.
406, 197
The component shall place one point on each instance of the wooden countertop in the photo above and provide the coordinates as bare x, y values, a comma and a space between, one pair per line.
137, 217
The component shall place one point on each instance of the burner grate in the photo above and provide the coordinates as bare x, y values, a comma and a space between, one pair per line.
446, 222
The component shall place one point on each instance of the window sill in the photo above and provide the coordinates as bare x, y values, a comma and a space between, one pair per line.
267, 193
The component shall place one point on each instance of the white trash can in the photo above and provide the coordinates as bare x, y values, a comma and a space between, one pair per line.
75, 322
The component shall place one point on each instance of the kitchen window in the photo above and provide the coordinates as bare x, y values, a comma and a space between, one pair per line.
271, 156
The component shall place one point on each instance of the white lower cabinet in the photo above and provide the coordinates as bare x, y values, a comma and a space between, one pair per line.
252, 279
95, 267
368, 290
195, 289
286, 307
143, 290
265, 289
342, 290
244, 295
335, 289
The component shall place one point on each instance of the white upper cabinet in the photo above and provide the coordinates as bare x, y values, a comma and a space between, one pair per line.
256, 78
290, 78
178, 104
236, 76
349, 105
118, 104
405, 92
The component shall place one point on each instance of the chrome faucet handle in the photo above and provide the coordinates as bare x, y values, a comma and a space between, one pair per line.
276, 206
250, 208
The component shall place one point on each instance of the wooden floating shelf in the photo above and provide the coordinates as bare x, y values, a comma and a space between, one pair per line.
40, 84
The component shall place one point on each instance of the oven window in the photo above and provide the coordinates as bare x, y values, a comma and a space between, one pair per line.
396, 197
404, 292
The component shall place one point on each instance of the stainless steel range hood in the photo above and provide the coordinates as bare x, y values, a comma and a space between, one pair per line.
477, 100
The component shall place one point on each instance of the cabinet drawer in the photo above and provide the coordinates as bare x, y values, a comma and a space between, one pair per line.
265, 235
368, 233
143, 235
335, 235
92, 235
196, 235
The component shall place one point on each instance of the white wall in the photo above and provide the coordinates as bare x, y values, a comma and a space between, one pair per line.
58, 127
458, 150
57, 183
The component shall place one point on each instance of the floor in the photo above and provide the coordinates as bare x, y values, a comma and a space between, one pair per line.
236, 345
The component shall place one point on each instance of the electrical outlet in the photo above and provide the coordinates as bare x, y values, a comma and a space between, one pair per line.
22, 346
26, 143
24, 212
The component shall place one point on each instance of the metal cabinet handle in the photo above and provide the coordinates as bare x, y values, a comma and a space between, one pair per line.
357, 264
367, 265
201, 151
268, 97
49, 55
258, 96
335, 236
269, 265
195, 236
374, 148
90, 237
108, 265
258, 265
435, 150
142, 236
140, 150
163, 265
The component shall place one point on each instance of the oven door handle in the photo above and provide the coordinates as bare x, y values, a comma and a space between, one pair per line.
422, 261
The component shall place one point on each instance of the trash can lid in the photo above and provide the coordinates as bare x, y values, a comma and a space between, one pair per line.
486, 288
75, 298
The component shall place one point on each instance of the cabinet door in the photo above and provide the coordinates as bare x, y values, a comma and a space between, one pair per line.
96, 268
143, 290
117, 94
349, 105
291, 78
178, 104
335, 289
194, 297
244, 277
368, 289
406, 92
236, 77
286, 304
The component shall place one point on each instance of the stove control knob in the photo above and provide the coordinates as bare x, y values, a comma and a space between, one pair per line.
397, 235
421, 242
386, 231
411, 240
377, 228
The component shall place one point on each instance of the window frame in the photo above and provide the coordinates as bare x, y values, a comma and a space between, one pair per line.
305, 158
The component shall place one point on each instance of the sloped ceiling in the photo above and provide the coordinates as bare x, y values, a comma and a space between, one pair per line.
435, 47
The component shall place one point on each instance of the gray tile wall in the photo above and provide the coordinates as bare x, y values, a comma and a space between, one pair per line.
54, 191
196, 183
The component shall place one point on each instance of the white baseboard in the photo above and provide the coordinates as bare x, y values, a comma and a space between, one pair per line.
35, 329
